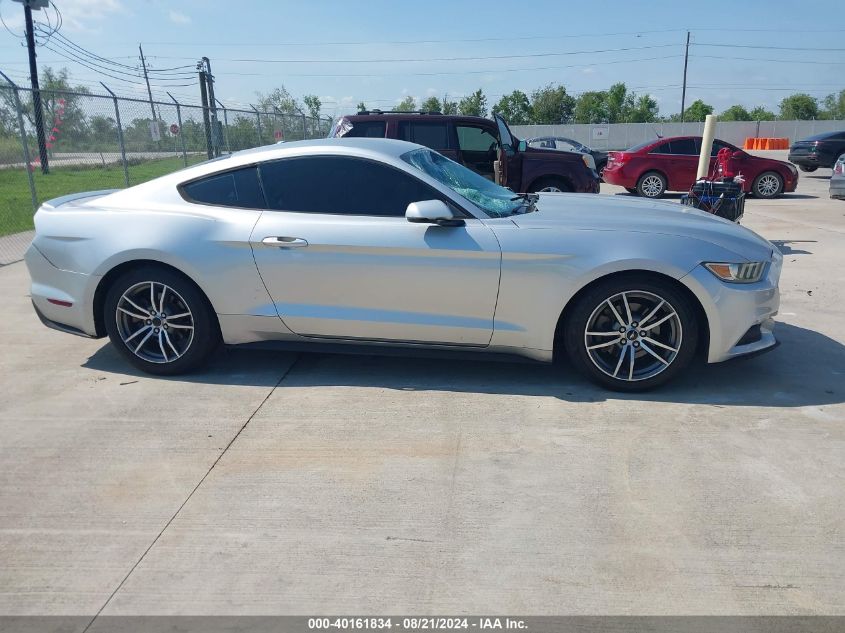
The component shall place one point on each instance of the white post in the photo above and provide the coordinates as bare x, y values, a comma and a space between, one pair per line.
706, 146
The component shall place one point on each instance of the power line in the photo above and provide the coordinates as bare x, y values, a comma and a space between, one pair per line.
774, 48
455, 72
438, 59
760, 59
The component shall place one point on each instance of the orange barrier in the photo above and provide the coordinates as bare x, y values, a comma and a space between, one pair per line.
766, 143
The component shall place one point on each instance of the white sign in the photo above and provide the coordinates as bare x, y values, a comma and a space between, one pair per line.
155, 131
601, 133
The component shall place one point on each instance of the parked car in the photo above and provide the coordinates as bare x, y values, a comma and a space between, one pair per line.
388, 243
837, 180
670, 164
570, 145
821, 150
479, 144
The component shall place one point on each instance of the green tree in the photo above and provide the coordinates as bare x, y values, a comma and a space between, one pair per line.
644, 110
620, 103
474, 104
697, 111
799, 106
280, 99
407, 104
448, 107
551, 105
515, 108
735, 113
361, 107
313, 104
761, 114
591, 107
834, 105
432, 104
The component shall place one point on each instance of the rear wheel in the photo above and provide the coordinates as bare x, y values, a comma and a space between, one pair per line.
159, 321
808, 168
550, 185
651, 184
630, 334
767, 185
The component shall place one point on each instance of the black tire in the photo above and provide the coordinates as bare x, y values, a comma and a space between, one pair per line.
196, 335
643, 293
633, 192
600, 169
808, 168
762, 187
549, 182
652, 184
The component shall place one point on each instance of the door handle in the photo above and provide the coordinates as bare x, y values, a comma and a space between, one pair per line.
285, 242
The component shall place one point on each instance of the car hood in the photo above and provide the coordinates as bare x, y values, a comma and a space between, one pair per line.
618, 213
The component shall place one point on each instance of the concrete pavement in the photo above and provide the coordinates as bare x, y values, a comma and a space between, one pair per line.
276, 483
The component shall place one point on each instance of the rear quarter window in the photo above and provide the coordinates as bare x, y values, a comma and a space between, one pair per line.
236, 188
366, 129
432, 134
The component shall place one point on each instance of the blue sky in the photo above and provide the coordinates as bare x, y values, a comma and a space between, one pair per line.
346, 52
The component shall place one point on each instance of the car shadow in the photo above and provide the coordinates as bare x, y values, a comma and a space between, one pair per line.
807, 369
785, 249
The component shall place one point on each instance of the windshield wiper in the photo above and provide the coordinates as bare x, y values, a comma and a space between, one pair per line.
529, 200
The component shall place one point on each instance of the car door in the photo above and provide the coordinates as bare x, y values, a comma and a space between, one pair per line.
478, 148
339, 259
684, 163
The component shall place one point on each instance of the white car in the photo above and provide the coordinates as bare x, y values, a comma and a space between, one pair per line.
387, 243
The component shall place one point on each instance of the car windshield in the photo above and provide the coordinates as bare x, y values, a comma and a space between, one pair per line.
488, 196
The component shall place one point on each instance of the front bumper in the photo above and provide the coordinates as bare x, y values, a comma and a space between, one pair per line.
51, 283
735, 309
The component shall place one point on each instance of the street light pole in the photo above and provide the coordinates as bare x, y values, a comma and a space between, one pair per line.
684, 90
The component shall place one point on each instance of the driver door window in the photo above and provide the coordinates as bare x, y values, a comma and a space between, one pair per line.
478, 149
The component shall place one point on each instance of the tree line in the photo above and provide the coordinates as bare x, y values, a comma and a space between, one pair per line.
552, 104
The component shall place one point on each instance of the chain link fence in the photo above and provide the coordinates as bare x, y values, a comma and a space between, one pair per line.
103, 141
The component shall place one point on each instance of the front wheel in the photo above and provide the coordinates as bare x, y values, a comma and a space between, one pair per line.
550, 185
630, 334
159, 321
652, 184
767, 185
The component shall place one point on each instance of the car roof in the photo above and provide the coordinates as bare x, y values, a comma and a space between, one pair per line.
412, 116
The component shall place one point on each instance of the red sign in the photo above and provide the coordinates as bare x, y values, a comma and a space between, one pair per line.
277, 135
174, 129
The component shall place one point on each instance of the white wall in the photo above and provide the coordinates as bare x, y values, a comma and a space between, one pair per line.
625, 135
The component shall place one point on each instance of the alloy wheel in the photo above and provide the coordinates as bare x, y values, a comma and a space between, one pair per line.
154, 322
552, 189
652, 186
633, 335
768, 185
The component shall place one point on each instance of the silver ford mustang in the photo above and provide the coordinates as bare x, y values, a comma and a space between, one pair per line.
382, 242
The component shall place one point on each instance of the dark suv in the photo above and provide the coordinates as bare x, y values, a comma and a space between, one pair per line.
487, 147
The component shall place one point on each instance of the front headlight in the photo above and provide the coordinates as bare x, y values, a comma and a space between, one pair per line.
588, 161
737, 273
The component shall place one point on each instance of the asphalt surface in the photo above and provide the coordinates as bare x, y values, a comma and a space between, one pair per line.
278, 483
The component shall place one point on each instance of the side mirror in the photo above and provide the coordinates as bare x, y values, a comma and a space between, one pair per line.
521, 146
432, 212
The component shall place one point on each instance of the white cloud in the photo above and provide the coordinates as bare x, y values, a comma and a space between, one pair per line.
178, 18
79, 15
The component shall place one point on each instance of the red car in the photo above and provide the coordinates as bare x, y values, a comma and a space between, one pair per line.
670, 164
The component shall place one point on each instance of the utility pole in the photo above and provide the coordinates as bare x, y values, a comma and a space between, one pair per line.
36, 92
684, 90
147, 79
215, 137
204, 97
